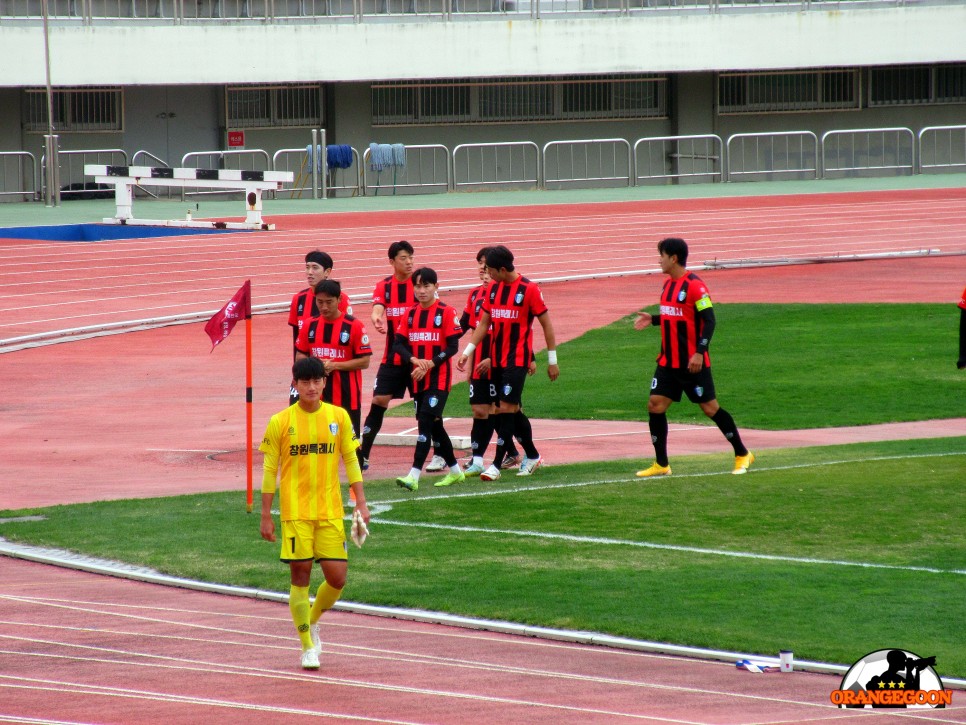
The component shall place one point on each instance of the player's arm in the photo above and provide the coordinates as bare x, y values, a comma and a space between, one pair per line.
553, 370
349, 444
706, 315
270, 447
646, 319
378, 316
465, 323
482, 325
356, 363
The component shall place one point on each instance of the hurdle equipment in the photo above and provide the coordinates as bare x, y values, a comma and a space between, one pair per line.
125, 178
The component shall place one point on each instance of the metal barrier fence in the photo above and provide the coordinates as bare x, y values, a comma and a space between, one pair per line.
18, 175
244, 160
582, 163
427, 169
178, 12
867, 151
297, 161
595, 162
509, 165
942, 147
74, 184
772, 156
660, 158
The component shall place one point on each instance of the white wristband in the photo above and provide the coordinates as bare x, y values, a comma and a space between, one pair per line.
551, 357
468, 350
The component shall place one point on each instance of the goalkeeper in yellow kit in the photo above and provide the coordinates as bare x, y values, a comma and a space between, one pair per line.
302, 447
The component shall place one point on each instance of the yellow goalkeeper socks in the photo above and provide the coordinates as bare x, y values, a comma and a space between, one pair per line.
325, 597
298, 603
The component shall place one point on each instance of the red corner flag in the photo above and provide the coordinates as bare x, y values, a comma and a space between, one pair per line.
238, 308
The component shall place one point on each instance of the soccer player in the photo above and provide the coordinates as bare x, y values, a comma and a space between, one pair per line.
961, 363
511, 303
391, 300
687, 324
482, 391
302, 447
318, 266
427, 336
341, 343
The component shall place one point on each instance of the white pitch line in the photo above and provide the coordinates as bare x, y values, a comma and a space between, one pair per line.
667, 547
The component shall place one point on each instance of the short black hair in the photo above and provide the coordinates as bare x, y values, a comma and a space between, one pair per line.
425, 275
481, 255
499, 257
320, 258
401, 246
308, 368
328, 287
674, 247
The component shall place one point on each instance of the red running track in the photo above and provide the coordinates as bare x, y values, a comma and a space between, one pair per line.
140, 279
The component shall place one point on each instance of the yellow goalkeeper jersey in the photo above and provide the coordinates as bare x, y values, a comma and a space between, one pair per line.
306, 448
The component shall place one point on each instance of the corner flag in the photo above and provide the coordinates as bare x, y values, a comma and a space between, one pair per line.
239, 307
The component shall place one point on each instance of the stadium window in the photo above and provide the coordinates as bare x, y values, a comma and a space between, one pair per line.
788, 91
909, 85
508, 100
78, 110
272, 106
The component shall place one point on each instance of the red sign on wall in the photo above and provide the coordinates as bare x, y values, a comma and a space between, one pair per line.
236, 139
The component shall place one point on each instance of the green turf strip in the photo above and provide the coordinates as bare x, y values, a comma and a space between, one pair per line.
590, 547
776, 367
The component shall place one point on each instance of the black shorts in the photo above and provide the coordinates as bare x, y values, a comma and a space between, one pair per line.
482, 391
393, 380
431, 402
671, 382
509, 384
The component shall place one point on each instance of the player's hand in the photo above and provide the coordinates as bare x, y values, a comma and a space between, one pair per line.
696, 363
379, 322
532, 368
268, 528
643, 320
553, 372
461, 362
483, 367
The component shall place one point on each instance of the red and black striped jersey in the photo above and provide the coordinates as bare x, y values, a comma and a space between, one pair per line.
512, 306
472, 312
427, 331
341, 339
397, 297
682, 329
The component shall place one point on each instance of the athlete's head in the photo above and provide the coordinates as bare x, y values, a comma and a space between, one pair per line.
318, 266
674, 247
308, 368
481, 262
425, 275
499, 257
401, 246
425, 285
327, 295
320, 258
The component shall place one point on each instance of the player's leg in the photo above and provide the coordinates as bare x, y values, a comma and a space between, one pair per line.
665, 389
702, 392
331, 554
297, 551
425, 419
483, 404
437, 403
